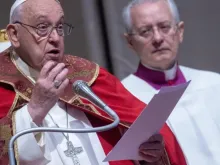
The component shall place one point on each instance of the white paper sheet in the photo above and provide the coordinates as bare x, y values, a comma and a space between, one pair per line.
149, 122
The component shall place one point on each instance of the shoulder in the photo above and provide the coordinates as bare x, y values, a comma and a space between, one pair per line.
200, 73
200, 78
77, 61
127, 80
81, 69
108, 82
105, 77
130, 82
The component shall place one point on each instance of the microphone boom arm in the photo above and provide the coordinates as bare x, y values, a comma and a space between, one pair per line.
80, 88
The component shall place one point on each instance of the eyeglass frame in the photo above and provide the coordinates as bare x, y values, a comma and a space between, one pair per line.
172, 25
49, 31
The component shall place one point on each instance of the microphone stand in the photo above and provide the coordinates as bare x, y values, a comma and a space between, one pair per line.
78, 89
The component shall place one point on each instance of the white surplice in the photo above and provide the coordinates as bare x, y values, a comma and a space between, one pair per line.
195, 120
48, 148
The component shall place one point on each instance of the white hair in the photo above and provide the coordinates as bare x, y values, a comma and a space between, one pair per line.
126, 14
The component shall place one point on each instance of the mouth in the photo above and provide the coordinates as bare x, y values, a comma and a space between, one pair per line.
160, 50
54, 51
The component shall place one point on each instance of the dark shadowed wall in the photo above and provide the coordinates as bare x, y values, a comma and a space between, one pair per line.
98, 33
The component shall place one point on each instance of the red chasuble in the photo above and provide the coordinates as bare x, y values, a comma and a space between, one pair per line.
16, 89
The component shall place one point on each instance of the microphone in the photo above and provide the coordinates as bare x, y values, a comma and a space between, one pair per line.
81, 88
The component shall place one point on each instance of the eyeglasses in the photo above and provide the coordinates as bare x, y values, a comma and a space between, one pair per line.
165, 29
44, 30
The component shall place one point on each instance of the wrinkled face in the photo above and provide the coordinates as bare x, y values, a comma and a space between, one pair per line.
155, 35
31, 47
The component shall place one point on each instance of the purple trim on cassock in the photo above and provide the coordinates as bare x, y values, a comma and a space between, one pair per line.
157, 78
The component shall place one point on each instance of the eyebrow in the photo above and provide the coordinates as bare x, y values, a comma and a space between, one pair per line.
150, 25
43, 17
143, 27
61, 18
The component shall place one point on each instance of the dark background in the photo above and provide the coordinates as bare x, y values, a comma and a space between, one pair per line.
98, 33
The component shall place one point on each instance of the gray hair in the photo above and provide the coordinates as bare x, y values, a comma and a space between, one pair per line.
126, 14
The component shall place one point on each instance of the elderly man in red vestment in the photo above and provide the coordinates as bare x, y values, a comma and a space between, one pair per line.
35, 90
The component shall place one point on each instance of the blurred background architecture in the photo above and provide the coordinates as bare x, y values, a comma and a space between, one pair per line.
98, 33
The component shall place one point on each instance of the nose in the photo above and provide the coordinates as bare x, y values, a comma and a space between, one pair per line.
54, 36
157, 35
157, 38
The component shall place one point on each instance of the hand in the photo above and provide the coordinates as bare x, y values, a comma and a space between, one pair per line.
153, 149
46, 93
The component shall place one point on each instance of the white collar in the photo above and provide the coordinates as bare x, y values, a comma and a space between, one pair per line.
170, 74
28, 71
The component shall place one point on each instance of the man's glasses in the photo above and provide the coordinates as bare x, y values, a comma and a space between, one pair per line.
44, 30
148, 32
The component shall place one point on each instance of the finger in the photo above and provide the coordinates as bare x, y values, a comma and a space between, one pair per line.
153, 153
148, 158
156, 137
63, 86
55, 71
62, 75
47, 68
151, 146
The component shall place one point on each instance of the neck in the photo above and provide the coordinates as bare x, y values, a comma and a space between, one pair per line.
160, 68
169, 73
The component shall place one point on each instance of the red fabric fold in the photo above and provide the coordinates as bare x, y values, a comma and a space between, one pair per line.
6, 100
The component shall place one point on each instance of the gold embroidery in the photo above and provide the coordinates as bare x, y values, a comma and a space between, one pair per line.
5, 131
16, 99
17, 92
80, 69
90, 107
125, 124
95, 75
12, 56
71, 100
84, 73
13, 105
15, 143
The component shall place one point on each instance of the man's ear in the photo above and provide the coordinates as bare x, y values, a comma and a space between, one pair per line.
12, 32
181, 31
129, 40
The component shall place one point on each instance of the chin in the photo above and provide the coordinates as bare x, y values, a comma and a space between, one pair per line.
163, 58
165, 63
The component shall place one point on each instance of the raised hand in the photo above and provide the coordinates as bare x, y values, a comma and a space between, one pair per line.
49, 87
